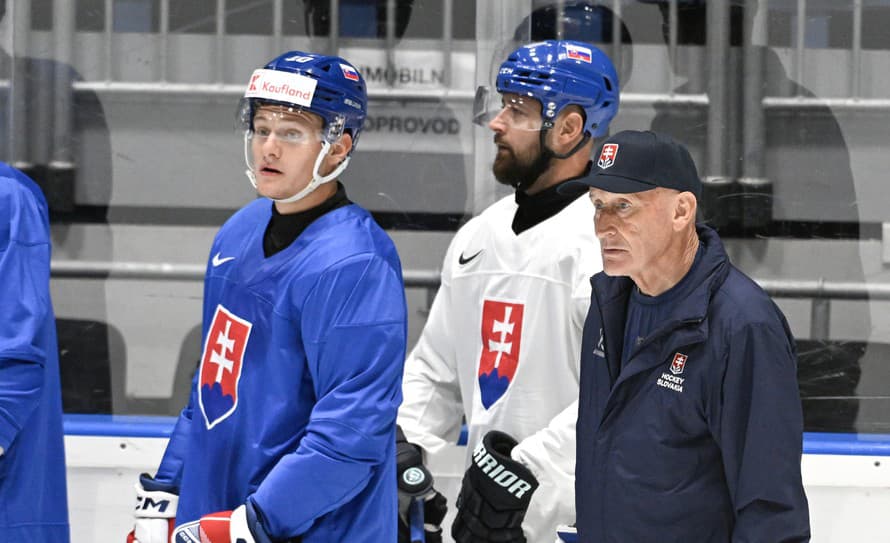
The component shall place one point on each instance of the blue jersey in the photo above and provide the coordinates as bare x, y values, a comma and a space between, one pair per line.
33, 499
295, 400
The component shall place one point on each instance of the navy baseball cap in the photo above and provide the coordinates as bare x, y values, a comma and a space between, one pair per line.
637, 161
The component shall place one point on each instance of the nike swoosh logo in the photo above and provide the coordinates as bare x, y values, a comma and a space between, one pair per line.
463, 260
217, 261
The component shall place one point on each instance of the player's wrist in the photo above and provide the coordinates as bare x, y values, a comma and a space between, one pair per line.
256, 522
525, 456
150, 484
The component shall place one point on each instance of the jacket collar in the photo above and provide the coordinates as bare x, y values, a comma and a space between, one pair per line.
611, 294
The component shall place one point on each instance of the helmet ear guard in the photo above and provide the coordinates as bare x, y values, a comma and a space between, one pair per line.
335, 128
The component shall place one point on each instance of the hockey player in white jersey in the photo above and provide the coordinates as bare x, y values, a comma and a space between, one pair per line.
501, 345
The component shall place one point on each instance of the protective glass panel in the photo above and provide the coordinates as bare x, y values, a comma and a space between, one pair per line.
513, 110
122, 112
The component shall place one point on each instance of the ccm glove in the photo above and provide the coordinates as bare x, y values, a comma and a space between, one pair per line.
155, 511
242, 525
494, 495
416, 489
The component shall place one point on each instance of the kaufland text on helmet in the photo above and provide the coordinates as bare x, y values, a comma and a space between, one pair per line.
286, 90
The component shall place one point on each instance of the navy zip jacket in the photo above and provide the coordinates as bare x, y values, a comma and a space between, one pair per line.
698, 438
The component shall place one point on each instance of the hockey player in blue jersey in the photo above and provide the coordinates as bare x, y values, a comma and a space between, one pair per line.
33, 498
289, 434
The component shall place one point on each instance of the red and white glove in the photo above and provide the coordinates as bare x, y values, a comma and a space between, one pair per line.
155, 513
221, 527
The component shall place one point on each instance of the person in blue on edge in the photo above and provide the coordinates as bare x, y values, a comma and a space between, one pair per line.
33, 495
290, 431
690, 424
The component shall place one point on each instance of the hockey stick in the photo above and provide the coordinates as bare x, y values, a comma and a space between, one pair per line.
415, 519
567, 534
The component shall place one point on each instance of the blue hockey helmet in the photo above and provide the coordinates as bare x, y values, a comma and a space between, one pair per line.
559, 73
328, 86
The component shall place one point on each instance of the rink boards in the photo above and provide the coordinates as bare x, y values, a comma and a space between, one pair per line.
847, 477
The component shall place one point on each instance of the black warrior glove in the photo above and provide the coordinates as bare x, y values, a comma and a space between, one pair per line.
416, 483
494, 495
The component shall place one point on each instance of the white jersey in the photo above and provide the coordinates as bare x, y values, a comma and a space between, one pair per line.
502, 346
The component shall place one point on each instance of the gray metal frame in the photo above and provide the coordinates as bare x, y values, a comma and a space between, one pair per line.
64, 21
821, 291
499, 11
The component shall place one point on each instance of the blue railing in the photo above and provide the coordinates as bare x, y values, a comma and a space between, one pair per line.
118, 425
846, 444
155, 426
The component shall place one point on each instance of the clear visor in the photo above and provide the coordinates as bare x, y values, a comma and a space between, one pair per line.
285, 126
514, 110
289, 124
288, 128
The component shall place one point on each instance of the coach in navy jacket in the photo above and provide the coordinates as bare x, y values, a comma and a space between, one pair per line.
690, 423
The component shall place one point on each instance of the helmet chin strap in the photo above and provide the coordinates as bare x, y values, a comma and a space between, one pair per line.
551, 152
317, 178
543, 161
